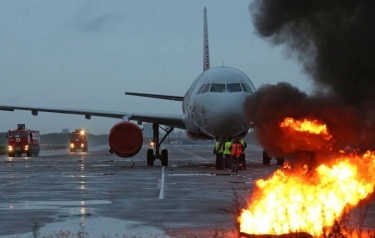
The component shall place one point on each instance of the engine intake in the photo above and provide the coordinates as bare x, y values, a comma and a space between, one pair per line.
125, 139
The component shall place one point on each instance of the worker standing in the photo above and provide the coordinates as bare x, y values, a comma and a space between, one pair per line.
227, 153
236, 151
242, 156
218, 151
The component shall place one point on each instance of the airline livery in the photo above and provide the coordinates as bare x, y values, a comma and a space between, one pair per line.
211, 107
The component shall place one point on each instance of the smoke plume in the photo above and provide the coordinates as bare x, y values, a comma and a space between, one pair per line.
334, 40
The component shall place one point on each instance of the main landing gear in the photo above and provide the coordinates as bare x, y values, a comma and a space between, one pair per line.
163, 155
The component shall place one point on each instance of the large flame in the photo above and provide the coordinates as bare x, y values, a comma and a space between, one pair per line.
308, 201
306, 126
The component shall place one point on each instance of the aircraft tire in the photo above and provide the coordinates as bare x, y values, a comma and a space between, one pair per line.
150, 157
266, 158
164, 157
280, 161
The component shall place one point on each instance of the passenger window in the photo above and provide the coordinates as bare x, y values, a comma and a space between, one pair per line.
201, 88
216, 87
206, 88
234, 87
246, 88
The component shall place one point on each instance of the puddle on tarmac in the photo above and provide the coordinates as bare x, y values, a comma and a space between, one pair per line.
49, 204
95, 227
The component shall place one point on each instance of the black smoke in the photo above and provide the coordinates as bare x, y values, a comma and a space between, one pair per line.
334, 40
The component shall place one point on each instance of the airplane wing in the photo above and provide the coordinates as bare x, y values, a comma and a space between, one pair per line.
163, 119
166, 97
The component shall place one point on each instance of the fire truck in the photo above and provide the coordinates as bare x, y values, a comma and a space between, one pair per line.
78, 140
23, 141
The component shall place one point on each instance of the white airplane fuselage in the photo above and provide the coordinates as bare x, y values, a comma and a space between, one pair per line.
216, 110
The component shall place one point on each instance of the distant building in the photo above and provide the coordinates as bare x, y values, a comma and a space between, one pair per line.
65, 130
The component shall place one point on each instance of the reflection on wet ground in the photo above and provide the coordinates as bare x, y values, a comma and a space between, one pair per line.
100, 194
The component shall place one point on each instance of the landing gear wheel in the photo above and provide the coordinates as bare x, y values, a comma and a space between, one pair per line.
150, 157
266, 158
280, 161
164, 157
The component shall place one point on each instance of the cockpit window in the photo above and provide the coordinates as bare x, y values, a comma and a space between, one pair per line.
206, 88
234, 87
201, 88
246, 88
216, 87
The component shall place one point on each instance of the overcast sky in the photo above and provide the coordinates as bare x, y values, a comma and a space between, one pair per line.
85, 54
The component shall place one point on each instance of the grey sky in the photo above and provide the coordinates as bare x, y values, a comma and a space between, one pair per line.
85, 54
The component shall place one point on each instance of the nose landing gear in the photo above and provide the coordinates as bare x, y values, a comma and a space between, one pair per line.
163, 156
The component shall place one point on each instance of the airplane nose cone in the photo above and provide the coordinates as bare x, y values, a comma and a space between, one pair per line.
223, 116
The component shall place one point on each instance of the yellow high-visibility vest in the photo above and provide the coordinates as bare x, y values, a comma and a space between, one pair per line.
217, 149
243, 146
226, 148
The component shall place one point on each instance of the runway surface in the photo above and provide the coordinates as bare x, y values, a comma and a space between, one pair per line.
99, 194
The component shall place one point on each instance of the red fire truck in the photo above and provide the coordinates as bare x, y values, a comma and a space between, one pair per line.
23, 141
78, 140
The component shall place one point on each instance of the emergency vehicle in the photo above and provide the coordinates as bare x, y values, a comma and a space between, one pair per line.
23, 141
78, 140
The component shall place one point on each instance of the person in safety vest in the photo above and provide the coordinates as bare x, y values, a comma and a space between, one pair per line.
242, 156
236, 150
227, 154
218, 151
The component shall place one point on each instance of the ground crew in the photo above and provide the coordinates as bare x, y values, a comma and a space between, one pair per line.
242, 156
218, 151
236, 150
227, 154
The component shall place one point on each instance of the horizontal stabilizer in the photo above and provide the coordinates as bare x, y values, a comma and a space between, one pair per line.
166, 97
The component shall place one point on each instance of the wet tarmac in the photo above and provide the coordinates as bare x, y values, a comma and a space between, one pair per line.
101, 195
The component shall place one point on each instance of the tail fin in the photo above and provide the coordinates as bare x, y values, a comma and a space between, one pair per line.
206, 51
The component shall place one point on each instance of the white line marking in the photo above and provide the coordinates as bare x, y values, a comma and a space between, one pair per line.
161, 194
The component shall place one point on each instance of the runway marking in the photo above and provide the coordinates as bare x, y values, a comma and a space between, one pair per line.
192, 154
161, 194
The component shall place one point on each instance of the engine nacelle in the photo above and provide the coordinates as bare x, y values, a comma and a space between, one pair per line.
125, 139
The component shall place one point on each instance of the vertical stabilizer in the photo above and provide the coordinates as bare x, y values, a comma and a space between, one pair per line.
206, 51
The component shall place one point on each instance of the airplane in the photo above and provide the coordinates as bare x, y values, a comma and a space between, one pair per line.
212, 107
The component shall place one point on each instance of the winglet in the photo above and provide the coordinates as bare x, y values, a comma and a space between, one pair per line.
206, 51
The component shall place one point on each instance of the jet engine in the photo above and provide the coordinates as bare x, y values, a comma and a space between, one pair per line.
125, 139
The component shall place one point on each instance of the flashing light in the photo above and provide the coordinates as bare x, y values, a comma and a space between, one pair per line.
82, 132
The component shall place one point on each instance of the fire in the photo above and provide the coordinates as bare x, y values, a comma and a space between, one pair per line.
308, 199
306, 126
300, 201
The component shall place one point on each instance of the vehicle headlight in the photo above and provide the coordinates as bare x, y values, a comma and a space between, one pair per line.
10, 148
71, 145
26, 147
82, 145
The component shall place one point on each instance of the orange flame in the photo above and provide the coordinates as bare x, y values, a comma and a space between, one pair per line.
306, 126
307, 203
